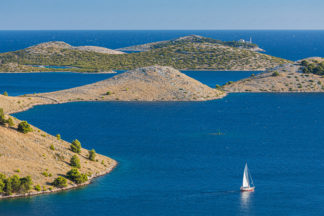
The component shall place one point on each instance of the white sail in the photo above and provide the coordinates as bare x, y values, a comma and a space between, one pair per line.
246, 179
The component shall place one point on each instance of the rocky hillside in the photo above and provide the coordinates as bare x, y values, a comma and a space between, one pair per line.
153, 83
287, 78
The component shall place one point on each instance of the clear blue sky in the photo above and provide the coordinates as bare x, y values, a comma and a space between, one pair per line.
161, 14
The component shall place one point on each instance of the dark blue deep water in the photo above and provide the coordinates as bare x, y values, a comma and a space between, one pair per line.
292, 45
29, 83
172, 162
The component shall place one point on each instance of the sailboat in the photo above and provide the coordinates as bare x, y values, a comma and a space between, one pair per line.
247, 184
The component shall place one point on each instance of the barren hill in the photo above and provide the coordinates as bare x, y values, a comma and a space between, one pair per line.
55, 47
154, 83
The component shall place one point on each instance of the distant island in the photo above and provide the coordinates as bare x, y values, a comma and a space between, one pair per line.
192, 39
190, 52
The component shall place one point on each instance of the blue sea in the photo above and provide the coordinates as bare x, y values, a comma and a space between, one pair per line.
183, 158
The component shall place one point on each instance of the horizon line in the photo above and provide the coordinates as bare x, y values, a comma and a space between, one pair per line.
161, 29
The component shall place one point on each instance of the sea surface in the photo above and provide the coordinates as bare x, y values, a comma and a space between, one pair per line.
29, 83
187, 158
183, 158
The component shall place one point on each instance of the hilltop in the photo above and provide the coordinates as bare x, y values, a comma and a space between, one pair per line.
286, 78
57, 47
154, 83
190, 52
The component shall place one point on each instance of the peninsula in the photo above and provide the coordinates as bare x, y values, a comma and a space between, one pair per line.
302, 76
190, 52
34, 162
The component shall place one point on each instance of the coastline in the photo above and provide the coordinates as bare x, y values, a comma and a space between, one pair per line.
24, 72
114, 72
70, 187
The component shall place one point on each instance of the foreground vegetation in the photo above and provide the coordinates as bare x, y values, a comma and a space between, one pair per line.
14, 184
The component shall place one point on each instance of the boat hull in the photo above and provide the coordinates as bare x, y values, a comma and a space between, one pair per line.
247, 189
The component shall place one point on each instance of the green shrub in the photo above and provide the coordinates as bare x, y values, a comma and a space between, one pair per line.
2, 117
7, 188
92, 155
2, 182
52, 147
60, 182
76, 146
75, 176
275, 73
2, 185
58, 136
15, 183
10, 122
45, 173
5, 93
24, 127
26, 184
108, 93
37, 187
229, 82
75, 161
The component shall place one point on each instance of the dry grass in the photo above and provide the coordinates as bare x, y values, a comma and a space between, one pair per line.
17, 104
31, 155
290, 79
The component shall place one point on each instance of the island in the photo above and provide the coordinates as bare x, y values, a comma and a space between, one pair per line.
185, 53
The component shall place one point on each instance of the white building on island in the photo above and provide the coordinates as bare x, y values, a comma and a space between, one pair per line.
244, 41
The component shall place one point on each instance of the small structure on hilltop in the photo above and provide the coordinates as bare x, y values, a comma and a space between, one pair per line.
244, 41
